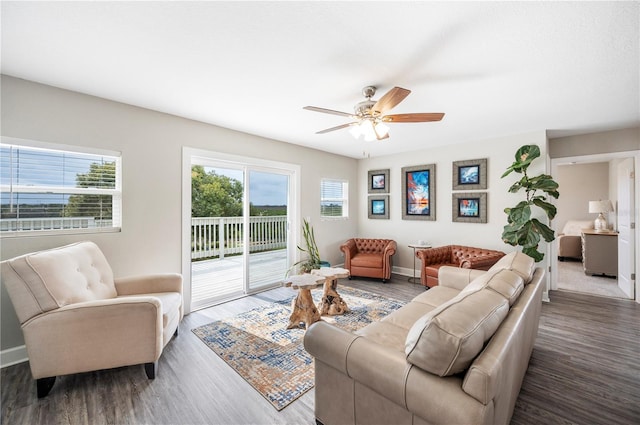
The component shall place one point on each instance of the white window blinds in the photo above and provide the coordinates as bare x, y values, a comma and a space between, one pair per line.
334, 196
58, 190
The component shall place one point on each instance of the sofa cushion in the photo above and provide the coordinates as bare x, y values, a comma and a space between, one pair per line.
446, 340
505, 282
367, 260
406, 316
517, 262
385, 333
436, 296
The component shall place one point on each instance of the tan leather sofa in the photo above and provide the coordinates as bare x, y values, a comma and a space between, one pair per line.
570, 239
76, 317
466, 257
456, 354
369, 257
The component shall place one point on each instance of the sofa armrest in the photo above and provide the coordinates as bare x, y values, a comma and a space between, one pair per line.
349, 249
437, 255
98, 335
390, 249
457, 278
329, 344
484, 261
149, 284
380, 368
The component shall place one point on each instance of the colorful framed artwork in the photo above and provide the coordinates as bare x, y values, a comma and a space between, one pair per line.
379, 181
469, 207
379, 207
470, 174
419, 192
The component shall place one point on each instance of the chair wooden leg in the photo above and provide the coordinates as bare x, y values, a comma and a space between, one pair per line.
44, 385
176, 332
150, 369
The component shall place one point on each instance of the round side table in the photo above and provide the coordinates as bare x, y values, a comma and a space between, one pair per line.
416, 246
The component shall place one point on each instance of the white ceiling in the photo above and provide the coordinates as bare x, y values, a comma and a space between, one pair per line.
494, 68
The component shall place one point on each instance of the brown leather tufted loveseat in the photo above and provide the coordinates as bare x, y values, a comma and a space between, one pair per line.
369, 257
466, 257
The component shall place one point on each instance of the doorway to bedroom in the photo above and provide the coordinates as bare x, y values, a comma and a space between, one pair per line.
586, 261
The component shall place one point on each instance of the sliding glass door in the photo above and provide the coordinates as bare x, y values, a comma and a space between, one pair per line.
240, 225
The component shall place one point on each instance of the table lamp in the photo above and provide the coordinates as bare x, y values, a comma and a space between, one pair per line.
600, 207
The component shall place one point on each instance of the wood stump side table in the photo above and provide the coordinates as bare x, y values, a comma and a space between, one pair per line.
302, 307
331, 303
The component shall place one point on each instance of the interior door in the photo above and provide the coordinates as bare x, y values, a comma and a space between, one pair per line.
626, 237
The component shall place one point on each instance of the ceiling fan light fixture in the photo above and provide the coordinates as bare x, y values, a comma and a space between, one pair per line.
382, 130
355, 130
368, 130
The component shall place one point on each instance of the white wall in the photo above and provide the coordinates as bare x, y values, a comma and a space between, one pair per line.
500, 153
151, 145
579, 184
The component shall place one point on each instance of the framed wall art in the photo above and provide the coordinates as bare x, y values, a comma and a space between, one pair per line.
379, 206
470, 174
469, 207
379, 181
419, 192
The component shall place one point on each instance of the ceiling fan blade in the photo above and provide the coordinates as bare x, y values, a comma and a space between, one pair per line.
420, 117
390, 99
327, 111
336, 128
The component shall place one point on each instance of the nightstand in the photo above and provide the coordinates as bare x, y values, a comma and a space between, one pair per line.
600, 253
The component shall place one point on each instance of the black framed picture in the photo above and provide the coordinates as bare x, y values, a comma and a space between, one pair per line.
419, 192
470, 174
379, 181
379, 207
469, 207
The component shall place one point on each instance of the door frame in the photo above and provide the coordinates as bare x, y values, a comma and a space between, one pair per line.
584, 159
293, 207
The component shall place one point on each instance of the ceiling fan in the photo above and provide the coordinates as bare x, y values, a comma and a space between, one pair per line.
369, 115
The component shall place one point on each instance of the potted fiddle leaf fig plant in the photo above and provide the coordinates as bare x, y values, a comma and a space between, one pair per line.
522, 229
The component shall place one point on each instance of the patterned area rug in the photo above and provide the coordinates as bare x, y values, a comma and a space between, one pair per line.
270, 357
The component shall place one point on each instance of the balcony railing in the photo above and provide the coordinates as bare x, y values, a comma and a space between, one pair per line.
219, 236
265, 232
51, 223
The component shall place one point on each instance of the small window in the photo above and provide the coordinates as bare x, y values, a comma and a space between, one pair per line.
50, 190
334, 198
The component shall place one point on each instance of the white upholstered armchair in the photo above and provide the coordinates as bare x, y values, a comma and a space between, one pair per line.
76, 317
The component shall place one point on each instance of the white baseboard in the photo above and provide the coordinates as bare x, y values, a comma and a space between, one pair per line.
404, 271
13, 356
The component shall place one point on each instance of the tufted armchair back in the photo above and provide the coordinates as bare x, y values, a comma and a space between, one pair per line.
371, 246
48, 280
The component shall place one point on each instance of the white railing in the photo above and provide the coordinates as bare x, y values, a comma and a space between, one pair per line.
265, 233
51, 223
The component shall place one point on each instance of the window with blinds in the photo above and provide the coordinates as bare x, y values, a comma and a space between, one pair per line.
52, 190
334, 198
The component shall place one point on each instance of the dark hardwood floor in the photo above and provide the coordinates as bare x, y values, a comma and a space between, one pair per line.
585, 369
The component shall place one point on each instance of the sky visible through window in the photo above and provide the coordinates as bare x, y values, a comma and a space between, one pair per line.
264, 189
